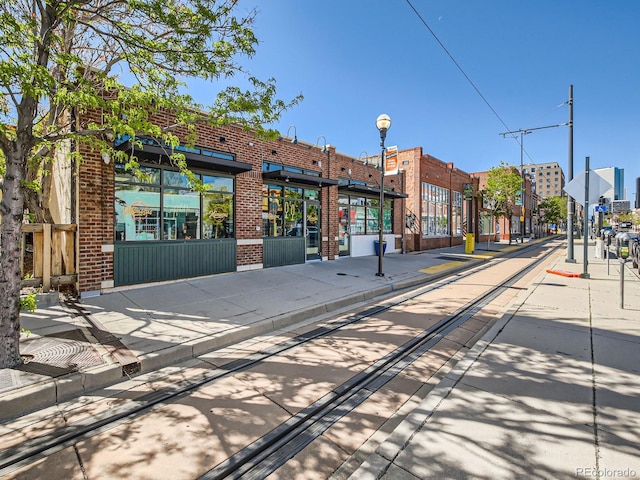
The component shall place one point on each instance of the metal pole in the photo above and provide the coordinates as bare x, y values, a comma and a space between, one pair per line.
404, 217
381, 212
585, 236
571, 204
622, 262
522, 133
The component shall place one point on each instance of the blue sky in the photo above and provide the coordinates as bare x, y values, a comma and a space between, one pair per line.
355, 59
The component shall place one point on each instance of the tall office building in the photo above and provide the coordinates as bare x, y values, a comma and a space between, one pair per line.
615, 176
547, 179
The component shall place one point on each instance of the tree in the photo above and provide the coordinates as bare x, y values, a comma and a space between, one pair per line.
502, 191
554, 208
58, 58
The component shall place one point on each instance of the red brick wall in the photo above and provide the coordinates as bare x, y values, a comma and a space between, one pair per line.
96, 194
423, 168
95, 221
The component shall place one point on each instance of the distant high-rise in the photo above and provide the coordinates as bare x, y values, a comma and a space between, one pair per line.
547, 179
615, 176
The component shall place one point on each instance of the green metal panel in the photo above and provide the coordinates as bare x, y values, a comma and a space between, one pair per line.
142, 262
279, 251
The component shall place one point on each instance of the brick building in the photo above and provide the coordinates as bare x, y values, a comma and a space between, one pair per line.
271, 203
441, 207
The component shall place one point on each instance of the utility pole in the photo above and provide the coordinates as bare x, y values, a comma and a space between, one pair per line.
571, 204
523, 132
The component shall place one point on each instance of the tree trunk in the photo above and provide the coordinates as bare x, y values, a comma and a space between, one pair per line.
11, 209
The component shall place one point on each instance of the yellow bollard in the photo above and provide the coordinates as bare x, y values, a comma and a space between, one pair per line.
469, 244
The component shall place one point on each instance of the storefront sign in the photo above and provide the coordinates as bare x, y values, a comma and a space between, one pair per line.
138, 209
468, 191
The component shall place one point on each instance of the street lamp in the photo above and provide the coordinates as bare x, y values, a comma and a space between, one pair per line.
383, 122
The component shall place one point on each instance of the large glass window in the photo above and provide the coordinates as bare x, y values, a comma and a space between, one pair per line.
456, 214
435, 211
283, 210
161, 206
364, 214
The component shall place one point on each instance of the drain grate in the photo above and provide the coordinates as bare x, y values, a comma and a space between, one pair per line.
452, 258
67, 350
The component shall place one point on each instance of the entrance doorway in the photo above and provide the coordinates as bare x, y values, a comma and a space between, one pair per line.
312, 229
343, 231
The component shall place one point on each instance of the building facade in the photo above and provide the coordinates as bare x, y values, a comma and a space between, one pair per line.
615, 177
547, 179
523, 222
269, 203
441, 207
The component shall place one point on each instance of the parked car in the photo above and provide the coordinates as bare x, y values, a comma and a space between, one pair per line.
624, 226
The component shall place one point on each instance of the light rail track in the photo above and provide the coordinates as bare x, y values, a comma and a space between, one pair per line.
269, 452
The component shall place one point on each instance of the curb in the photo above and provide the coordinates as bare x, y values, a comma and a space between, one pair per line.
47, 393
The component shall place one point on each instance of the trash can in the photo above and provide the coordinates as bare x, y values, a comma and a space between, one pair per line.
376, 247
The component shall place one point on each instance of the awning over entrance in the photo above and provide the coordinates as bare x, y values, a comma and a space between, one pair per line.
299, 178
367, 190
196, 157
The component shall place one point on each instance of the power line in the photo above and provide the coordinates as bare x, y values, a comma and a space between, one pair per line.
457, 65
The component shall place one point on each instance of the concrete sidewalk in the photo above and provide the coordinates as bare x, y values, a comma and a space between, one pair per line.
551, 391
75, 348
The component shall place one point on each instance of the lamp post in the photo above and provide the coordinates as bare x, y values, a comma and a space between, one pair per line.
383, 122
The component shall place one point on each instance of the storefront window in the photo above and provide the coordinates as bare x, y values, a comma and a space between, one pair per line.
293, 212
283, 210
137, 211
364, 213
272, 211
217, 220
435, 211
161, 206
181, 218
372, 219
456, 214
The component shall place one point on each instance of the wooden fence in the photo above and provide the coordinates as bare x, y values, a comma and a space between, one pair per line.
48, 256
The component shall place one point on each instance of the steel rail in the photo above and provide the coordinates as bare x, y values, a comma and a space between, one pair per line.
37, 448
265, 455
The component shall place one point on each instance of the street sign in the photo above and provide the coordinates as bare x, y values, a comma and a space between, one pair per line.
601, 208
597, 187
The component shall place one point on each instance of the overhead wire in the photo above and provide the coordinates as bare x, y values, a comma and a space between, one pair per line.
424, 22
473, 85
